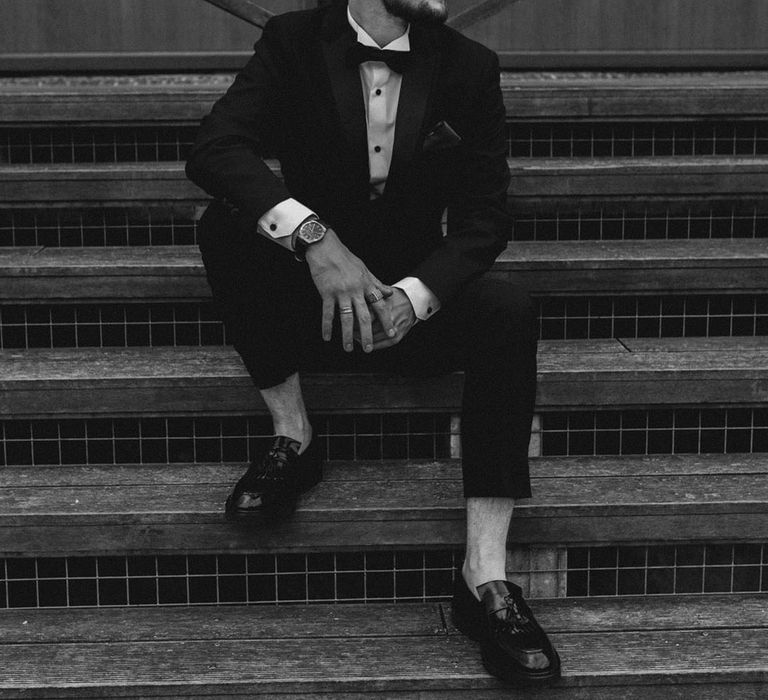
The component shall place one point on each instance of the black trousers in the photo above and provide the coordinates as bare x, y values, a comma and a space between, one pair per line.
272, 311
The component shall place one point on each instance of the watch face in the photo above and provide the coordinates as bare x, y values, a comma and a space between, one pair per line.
312, 231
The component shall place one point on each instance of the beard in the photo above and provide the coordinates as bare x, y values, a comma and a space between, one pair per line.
424, 11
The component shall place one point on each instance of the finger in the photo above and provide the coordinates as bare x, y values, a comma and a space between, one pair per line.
385, 343
379, 335
364, 324
384, 314
347, 319
329, 309
385, 289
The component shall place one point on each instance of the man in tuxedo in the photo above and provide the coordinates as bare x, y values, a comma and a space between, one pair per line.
382, 118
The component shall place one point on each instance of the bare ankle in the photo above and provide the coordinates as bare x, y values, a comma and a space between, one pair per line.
301, 431
477, 572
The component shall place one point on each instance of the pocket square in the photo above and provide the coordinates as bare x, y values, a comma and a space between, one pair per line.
440, 137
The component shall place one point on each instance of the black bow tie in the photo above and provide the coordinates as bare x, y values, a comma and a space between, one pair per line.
398, 61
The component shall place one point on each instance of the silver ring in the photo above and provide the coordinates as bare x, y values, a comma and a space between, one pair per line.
374, 296
346, 310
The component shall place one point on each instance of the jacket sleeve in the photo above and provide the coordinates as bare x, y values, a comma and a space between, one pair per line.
227, 158
478, 223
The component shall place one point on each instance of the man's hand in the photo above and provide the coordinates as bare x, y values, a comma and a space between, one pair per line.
343, 280
398, 307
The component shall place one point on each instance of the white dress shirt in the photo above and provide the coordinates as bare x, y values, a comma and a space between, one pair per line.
381, 92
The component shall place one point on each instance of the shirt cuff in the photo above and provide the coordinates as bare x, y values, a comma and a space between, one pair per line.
282, 220
425, 303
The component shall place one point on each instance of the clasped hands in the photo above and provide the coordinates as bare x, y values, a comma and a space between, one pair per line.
370, 312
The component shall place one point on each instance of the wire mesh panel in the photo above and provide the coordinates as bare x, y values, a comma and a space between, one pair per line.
632, 221
149, 226
349, 577
558, 139
227, 439
680, 316
651, 570
363, 577
95, 144
560, 318
109, 325
590, 139
99, 226
690, 430
682, 430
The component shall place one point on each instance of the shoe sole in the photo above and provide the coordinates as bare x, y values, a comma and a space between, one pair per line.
470, 629
509, 675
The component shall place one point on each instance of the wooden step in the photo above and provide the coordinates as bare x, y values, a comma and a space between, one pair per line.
551, 179
185, 98
571, 267
707, 647
149, 509
212, 381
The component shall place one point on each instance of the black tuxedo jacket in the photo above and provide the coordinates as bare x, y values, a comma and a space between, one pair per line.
299, 101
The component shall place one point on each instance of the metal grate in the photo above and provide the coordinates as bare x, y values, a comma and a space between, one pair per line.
589, 139
197, 324
376, 436
655, 431
150, 226
651, 570
228, 439
370, 577
640, 222
95, 144
363, 577
687, 316
101, 227
582, 139
109, 325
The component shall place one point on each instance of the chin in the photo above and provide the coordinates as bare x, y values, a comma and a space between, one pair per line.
425, 11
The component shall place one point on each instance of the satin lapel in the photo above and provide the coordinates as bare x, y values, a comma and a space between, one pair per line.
348, 95
415, 93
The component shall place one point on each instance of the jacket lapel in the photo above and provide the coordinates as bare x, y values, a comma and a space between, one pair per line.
415, 94
337, 37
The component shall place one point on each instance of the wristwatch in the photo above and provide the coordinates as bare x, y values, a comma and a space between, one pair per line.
311, 231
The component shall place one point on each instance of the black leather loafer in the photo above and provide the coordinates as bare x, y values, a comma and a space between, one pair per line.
514, 647
271, 486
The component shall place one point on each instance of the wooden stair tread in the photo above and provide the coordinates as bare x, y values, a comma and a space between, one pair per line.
597, 614
542, 468
212, 380
531, 179
386, 493
407, 648
531, 95
177, 272
78, 510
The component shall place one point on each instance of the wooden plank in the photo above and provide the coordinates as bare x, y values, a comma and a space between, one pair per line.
415, 470
212, 381
208, 622
220, 536
572, 267
187, 98
383, 498
166, 508
532, 179
637, 95
618, 60
331, 665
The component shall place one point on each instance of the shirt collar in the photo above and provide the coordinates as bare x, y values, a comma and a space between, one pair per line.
402, 43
